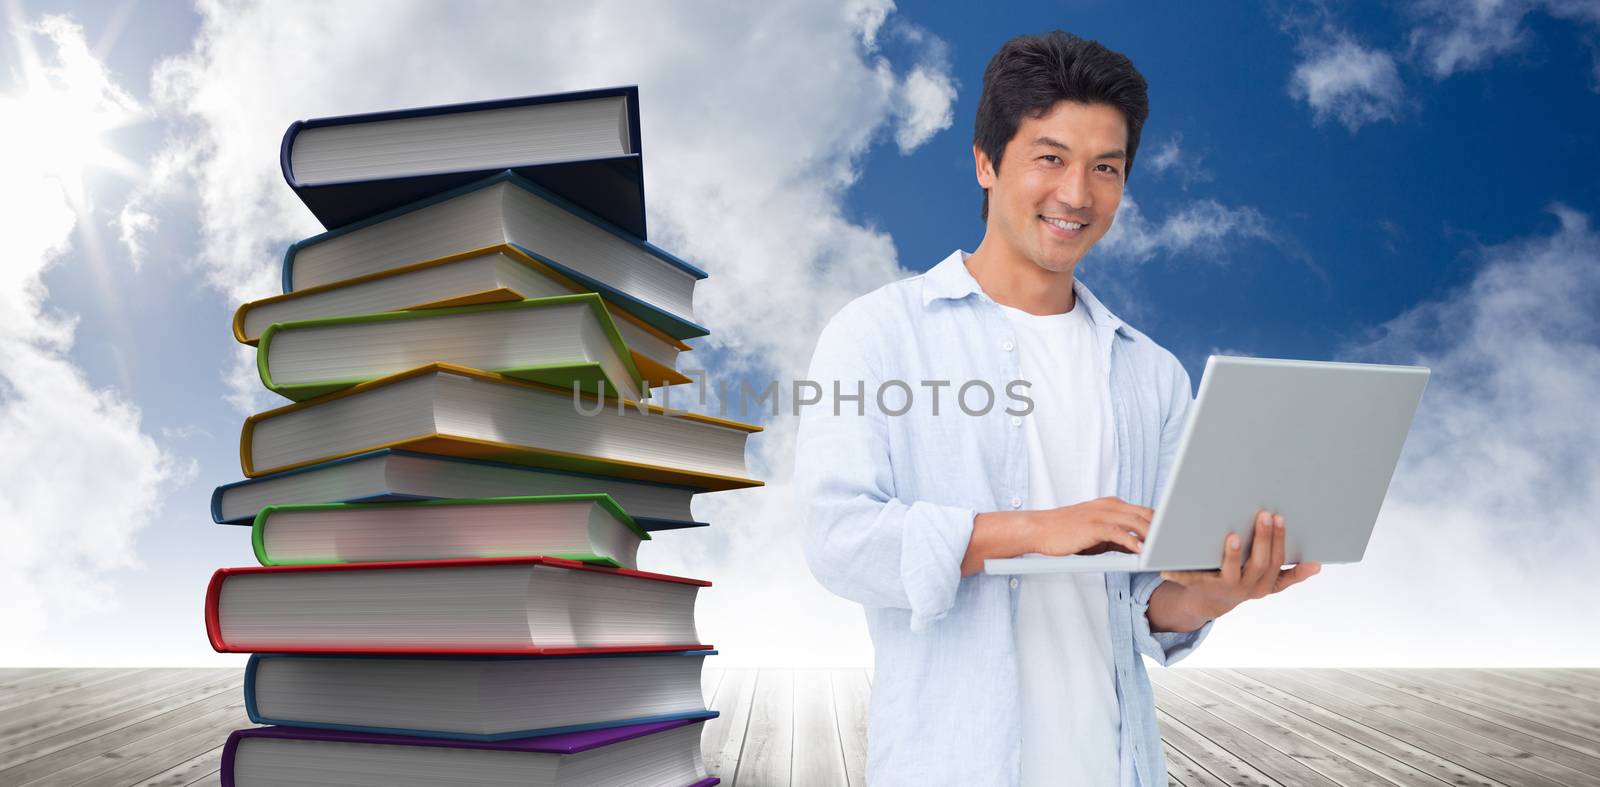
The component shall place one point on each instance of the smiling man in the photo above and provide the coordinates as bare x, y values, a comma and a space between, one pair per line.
986, 679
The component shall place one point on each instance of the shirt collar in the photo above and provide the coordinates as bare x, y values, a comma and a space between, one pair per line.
950, 280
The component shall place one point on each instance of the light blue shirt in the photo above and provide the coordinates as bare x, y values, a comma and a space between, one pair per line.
887, 503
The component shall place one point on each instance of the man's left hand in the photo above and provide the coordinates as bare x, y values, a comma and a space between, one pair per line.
1212, 594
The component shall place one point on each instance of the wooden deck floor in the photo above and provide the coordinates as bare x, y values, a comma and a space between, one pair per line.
112, 727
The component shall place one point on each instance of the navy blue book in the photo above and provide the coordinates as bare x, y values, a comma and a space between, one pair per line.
475, 698
583, 145
393, 474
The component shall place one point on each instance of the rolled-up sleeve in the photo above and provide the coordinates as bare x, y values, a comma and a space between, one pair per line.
860, 540
1165, 647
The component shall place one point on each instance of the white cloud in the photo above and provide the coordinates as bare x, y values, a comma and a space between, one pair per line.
923, 106
1485, 551
1171, 160
756, 116
1453, 36
79, 478
1202, 227
1343, 80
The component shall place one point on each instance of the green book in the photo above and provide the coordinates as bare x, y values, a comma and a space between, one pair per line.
587, 527
561, 340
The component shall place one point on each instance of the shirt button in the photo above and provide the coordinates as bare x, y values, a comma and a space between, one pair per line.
1007, 345
1016, 502
1014, 583
1016, 420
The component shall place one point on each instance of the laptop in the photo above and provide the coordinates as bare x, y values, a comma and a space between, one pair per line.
1315, 441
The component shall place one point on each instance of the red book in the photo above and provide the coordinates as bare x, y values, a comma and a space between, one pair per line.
513, 606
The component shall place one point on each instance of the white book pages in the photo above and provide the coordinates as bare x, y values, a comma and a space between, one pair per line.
665, 759
498, 338
489, 272
497, 608
476, 696
482, 139
456, 405
496, 214
419, 475
447, 532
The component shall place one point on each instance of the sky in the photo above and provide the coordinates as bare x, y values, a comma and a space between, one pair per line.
1411, 184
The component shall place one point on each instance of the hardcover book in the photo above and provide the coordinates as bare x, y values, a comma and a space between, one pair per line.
583, 145
491, 606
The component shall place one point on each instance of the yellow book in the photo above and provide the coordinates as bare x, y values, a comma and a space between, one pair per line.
452, 410
492, 274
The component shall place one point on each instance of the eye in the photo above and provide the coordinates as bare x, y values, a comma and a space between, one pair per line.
1107, 168
1052, 159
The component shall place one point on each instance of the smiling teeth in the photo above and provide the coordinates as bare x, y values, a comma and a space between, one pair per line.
1066, 225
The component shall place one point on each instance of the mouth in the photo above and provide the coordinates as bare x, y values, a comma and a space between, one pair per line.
1062, 228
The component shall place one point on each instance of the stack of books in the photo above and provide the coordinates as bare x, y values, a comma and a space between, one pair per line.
449, 512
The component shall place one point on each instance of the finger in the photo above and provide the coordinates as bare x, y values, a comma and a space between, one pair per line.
1232, 558
1260, 572
1129, 522
1279, 544
1118, 534
1296, 575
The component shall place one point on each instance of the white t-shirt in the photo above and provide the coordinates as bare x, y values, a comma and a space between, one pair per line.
1070, 718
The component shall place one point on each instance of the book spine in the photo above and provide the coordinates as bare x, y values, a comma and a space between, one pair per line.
229, 751
213, 622
285, 154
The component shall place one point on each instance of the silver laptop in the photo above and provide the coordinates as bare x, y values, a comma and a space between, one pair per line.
1314, 441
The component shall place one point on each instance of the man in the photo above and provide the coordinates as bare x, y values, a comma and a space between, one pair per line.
986, 679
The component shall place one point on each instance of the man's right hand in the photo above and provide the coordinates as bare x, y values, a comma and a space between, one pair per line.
1089, 528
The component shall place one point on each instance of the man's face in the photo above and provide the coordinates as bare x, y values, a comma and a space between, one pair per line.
1061, 170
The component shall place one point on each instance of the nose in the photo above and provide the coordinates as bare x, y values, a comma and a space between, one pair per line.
1073, 187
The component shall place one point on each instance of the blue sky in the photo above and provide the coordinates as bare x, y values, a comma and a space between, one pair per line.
1315, 181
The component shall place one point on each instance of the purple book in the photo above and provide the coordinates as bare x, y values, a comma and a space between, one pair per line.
560, 744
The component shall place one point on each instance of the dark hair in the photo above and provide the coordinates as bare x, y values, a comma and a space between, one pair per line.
1031, 73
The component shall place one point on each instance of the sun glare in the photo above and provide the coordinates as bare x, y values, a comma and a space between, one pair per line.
54, 122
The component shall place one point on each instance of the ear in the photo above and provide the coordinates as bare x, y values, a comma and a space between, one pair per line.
985, 167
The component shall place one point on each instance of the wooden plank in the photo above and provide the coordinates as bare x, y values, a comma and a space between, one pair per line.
710, 679
769, 740
212, 779
1414, 728
1222, 763
1336, 756
1519, 697
1570, 682
722, 739
851, 695
818, 755
149, 756
28, 677
226, 710
90, 696
48, 721
187, 772
1437, 767
1184, 771
71, 681
1530, 751
1589, 676
1311, 762
1281, 768
1464, 700
76, 733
